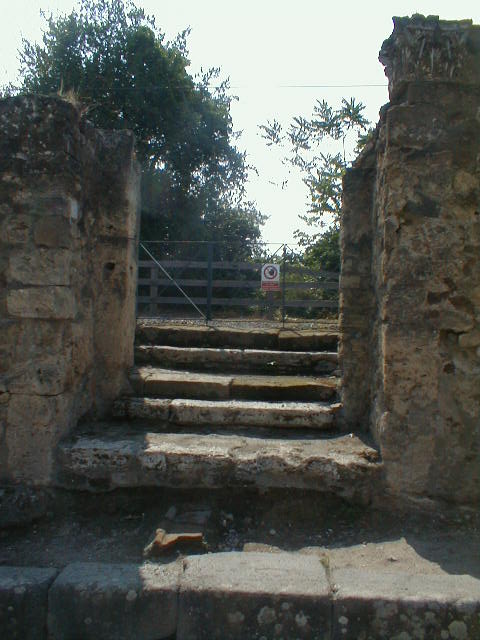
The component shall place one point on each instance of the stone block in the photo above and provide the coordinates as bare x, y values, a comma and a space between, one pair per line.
15, 229
42, 302
42, 204
53, 231
114, 601
404, 606
41, 267
235, 596
34, 426
23, 602
42, 375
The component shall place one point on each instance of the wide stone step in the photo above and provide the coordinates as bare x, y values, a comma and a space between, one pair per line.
246, 413
176, 335
167, 383
105, 460
251, 360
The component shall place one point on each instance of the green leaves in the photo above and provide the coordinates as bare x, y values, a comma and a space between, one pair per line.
114, 59
319, 147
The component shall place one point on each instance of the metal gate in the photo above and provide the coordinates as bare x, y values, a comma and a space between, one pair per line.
223, 280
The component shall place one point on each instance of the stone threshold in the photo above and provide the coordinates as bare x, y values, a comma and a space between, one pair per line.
250, 413
132, 456
235, 596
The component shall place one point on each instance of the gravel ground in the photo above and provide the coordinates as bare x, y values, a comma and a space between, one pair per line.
324, 324
116, 527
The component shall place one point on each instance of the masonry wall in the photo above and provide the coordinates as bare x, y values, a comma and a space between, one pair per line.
411, 344
68, 234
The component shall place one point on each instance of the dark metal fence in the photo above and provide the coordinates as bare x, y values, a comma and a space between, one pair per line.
222, 280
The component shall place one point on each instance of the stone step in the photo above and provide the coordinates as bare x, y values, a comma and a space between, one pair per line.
249, 360
175, 335
237, 596
168, 383
106, 459
246, 413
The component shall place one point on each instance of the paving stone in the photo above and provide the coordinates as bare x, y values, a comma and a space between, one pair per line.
237, 596
405, 606
23, 602
94, 601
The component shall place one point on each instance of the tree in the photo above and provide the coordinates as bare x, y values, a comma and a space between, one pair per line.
112, 56
322, 170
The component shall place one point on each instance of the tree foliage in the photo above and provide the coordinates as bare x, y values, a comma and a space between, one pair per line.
321, 148
112, 56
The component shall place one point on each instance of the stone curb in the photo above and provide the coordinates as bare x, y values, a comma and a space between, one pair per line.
95, 601
235, 596
23, 602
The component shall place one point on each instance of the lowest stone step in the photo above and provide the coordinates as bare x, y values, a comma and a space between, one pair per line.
230, 337
228, 413
167, 383
113, 457
245, 360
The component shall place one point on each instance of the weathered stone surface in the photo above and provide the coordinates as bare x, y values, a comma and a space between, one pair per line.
42, 267
149, 333
343, 465
67, 276
248, 413
23, 602
53, 231
283, 388
42, 302
15, 228
169, 383
289, 340
254, 413
115, 265
179, 384
377, 605
411, 231
250, 360
430, 49
34, 426
123, 601
201, 336
234, 596
143, 408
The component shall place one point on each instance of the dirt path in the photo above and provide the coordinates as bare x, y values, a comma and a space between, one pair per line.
116, 528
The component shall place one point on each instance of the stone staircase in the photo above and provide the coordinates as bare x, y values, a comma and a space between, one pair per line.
221, 406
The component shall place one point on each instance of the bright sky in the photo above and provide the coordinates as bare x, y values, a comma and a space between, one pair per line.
263, 45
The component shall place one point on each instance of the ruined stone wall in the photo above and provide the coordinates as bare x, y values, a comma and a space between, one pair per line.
68, 234
417, 382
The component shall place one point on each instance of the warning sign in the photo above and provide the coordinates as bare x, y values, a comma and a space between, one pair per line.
270, 277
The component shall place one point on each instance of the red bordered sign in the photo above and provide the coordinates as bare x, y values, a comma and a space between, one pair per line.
270, 277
